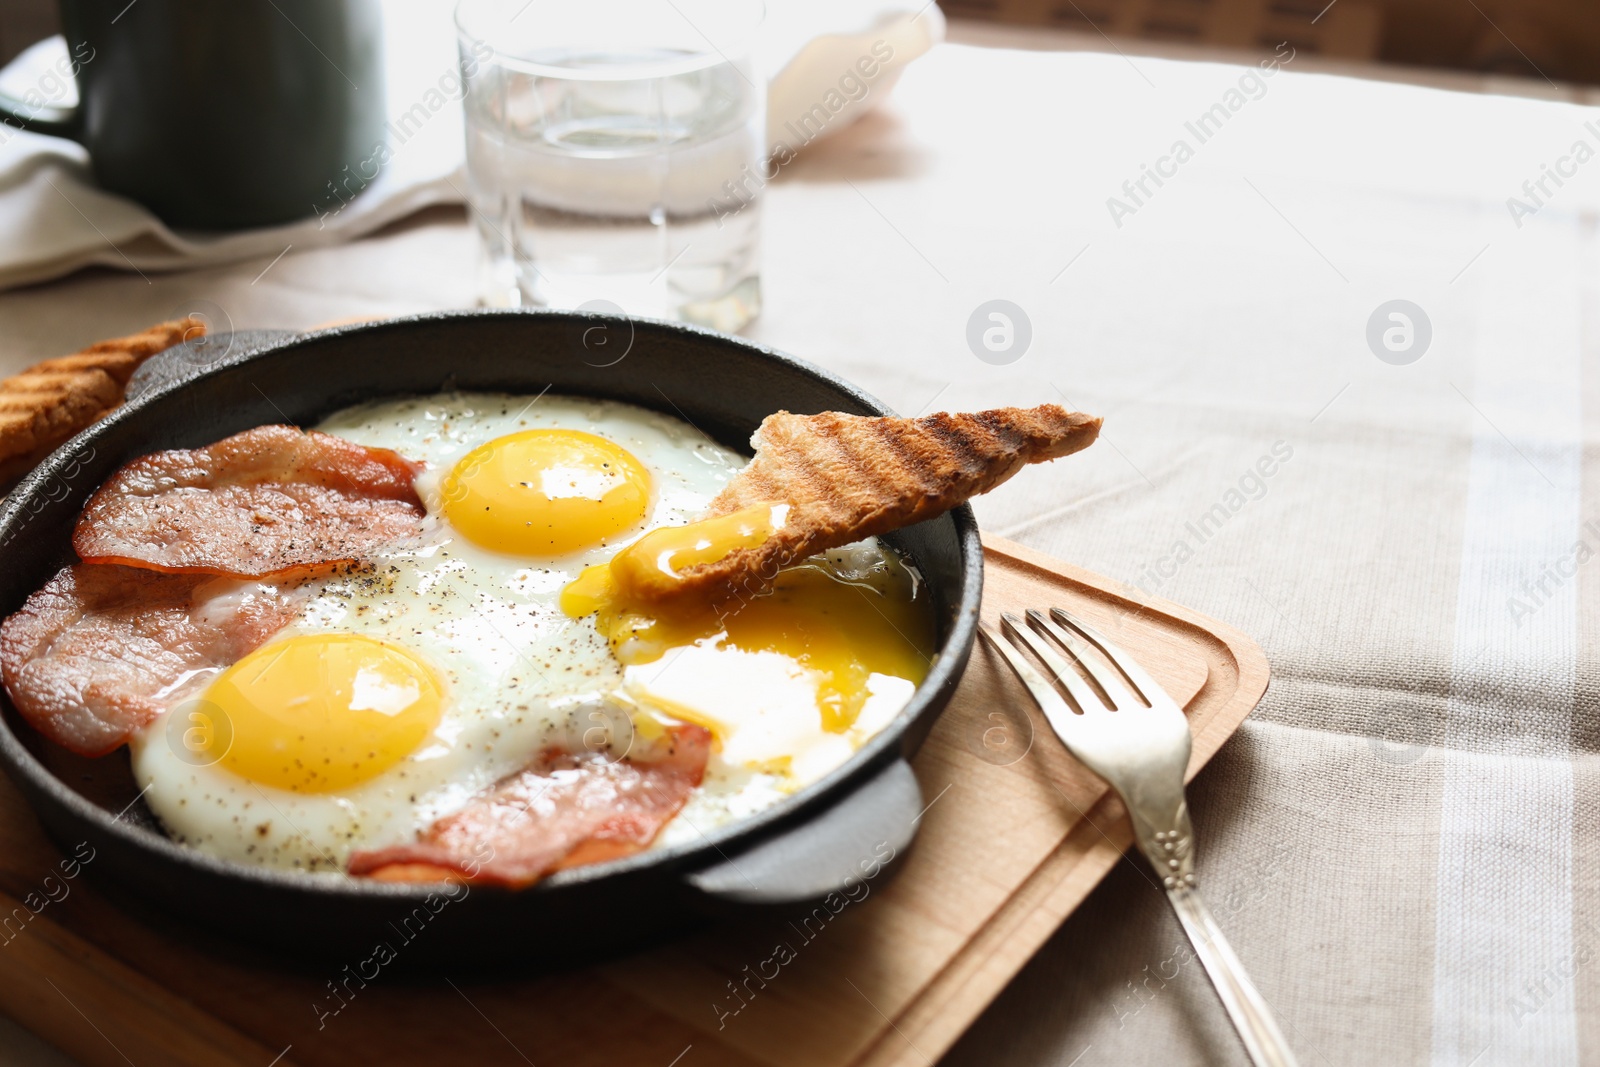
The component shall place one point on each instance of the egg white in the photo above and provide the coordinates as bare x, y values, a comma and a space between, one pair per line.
518, 674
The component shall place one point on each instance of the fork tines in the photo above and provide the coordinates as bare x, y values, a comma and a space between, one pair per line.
1131, 688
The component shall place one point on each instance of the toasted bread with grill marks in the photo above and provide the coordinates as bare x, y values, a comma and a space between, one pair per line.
847, 477
49, 402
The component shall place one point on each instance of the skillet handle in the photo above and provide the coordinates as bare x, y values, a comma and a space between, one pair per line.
851, 842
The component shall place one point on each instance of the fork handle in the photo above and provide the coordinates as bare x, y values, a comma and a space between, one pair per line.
1249, 1012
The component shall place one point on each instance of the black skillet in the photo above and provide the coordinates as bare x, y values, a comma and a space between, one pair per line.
842, 831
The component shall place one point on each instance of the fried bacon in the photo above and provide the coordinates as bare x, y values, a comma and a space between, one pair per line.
563, 811
101, 650
271, 501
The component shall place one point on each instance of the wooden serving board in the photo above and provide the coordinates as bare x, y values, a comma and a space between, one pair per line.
1015, 835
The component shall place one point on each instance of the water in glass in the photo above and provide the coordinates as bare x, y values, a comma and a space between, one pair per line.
628, 177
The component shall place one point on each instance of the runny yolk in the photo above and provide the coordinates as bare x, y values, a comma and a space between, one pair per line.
545, 492
317, 713
789, 680
654, 563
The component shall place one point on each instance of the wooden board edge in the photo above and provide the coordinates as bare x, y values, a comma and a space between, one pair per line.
949, 1004
62, 982
953, 1000
1254, 670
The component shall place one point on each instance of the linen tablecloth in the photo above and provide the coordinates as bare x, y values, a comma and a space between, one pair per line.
1401, 843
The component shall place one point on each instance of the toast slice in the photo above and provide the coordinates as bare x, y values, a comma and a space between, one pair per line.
49, 402
846, 477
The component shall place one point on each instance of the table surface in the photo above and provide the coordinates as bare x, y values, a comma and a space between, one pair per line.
1399, 842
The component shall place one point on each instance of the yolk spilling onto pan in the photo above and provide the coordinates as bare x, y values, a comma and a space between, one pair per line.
783, 679
320, 712
545, 492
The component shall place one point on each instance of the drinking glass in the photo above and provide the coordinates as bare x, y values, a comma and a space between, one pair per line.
615, 154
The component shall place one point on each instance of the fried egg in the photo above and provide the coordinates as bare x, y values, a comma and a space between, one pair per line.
442, 664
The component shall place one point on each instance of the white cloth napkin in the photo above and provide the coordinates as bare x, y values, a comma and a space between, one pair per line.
55, 220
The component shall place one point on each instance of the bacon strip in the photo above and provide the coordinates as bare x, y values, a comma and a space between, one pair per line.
563, 811
266, 502
97, 653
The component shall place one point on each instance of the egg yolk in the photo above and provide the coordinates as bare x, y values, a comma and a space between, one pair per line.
321, 712
819, 655
653, 564
545, 492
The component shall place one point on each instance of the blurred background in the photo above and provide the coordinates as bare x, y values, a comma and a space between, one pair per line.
1555, 39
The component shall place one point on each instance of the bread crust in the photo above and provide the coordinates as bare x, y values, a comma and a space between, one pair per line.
46, 404
847, 477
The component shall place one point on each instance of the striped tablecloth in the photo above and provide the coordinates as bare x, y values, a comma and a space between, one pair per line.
1402, 843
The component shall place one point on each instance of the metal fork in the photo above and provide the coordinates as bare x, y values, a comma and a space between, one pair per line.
1141, 748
